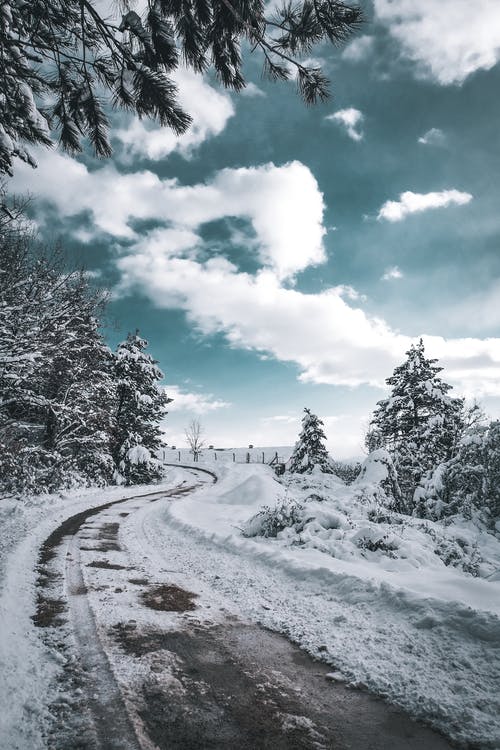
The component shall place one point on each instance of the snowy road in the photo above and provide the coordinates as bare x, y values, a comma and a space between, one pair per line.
156, 658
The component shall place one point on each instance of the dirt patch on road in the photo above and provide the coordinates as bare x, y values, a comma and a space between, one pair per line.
138, 643
48, 612
169, 598
109, 531
106, 565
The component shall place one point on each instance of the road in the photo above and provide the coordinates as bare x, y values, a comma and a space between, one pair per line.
153, 661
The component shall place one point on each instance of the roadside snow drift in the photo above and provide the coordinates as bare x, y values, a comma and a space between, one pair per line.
406, 607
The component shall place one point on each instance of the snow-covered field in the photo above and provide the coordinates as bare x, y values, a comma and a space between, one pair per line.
406, 607
255, 455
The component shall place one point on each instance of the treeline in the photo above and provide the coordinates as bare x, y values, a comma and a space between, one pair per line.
445, 455
437, 456
72, 412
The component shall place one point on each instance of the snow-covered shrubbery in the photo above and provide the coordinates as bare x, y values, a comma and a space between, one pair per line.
348, 471
269, 522
359, 522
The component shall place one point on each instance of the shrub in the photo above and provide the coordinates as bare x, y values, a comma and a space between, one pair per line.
268, 522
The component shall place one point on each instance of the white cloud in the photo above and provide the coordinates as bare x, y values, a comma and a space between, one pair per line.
328, 337
330, 340
282, 203
209, 108
433, 137
359, 49
392, 273
411, 203
351, 120
251, 89
284, 418
448, 39
197, 403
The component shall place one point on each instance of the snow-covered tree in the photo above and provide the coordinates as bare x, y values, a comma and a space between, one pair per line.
141, 405
420, 424
65, 62
55, 376
492, 479
310, 451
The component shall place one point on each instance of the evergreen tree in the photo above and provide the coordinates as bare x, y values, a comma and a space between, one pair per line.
419, 423
492, 472
56, 390
458, 485
64, 61
140, 407
309, 451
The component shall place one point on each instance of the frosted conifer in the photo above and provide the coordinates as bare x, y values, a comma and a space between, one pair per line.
56, 391
67, 62
140, 407
310, 450
419, 423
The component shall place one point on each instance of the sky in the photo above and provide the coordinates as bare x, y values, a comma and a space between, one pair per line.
279, 256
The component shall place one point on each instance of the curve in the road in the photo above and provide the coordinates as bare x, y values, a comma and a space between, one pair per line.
113, 728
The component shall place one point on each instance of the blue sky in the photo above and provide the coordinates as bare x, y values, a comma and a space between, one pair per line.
279, 256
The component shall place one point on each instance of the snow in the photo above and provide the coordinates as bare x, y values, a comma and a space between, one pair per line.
170, 455
355, 585
138, 454
372, 597
29, 669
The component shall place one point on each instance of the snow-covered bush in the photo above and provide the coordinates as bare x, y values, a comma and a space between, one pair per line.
459, 553
378, 480
268, 522
374, 540
360, 524
347, 471
468, 484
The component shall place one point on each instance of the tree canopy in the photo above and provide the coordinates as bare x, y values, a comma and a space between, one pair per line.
64, 63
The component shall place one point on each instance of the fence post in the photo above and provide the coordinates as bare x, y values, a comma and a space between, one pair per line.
248, 458
263, 457
179, 456
234, 457
215, 456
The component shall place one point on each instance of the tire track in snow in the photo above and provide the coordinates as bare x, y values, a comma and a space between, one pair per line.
114, 729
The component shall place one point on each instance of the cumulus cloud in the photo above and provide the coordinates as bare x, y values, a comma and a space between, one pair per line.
326, 335
351, 120
209, 108
329, 339
433, 137
359, 49
411, 203
251, 89
392, 273
197, 403
282, 203
449, 40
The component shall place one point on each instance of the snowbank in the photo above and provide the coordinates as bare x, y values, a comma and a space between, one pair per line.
384, 597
